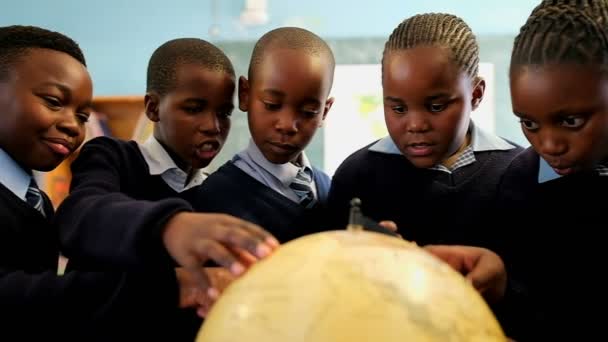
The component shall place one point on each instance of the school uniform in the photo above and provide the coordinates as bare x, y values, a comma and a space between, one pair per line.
36, 303
430, 206
285, 199
553, 244
122, 194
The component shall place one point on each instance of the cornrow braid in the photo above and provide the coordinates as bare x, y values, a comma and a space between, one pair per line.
441, 29
564, 31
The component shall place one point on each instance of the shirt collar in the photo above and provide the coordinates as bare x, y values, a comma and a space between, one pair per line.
285, 173
546, 172
13, 176
160, 163
480, 140
157, 158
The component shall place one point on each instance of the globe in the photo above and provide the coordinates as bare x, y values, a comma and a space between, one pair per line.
350, 286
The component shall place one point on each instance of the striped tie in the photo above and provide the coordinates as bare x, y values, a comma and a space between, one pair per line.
33, 197
302, 186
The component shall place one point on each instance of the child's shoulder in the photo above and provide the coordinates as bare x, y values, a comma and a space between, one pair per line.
110, 143
523, 168
109, 150
377, 153
365, 153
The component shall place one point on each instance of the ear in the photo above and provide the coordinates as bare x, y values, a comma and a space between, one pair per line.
479, 88
328, 104
243, 94
151, 103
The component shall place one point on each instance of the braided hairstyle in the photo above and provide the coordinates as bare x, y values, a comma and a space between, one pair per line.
564, 31
440, 29
161, 76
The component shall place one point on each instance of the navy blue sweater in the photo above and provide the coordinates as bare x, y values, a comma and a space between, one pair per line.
37, 304
116, 210
231, 191
552, 242
429, 206
115, 214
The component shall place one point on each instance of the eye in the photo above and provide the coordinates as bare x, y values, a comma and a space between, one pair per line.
272, 106
399, 109
310, 112
437, 107
193, 109
83, 117
528, 124
52, 101
573, 122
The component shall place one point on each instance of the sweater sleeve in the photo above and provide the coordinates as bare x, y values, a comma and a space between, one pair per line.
518, 312
55, 306
99, 223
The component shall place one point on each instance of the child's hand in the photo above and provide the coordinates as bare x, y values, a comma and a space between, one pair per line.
191, 295
193, 238
484, 268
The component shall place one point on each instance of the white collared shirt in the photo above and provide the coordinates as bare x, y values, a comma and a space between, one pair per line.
278, 177
480, 141
160, 163
13, 176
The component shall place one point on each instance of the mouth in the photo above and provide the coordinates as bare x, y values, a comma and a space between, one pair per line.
60, 146
207, 149
420, 149
562, 169
283, 148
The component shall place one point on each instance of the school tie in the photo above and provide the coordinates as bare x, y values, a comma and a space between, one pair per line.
302, 186
34, 198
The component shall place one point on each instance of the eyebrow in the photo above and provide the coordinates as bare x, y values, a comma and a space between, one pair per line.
67, 92
562, 112
280, 94
274, 92
195, 99
438, 96
393, 99
573, 111
62, 87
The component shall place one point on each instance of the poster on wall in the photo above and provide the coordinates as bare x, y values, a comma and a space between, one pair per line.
356, 118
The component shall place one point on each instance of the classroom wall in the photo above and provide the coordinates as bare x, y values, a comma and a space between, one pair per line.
118, 36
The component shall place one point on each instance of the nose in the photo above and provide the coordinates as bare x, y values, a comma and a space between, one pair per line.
210, 124
417, 122
70, 124
552, 144
287, 122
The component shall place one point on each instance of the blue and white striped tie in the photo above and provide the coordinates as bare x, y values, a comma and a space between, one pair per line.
34, 198
302, 186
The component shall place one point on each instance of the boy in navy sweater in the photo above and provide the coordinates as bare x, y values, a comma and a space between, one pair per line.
550, 200
271, 182
45, 97
129, 204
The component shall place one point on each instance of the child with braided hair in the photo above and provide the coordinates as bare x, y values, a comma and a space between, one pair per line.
436, 174
559, 88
